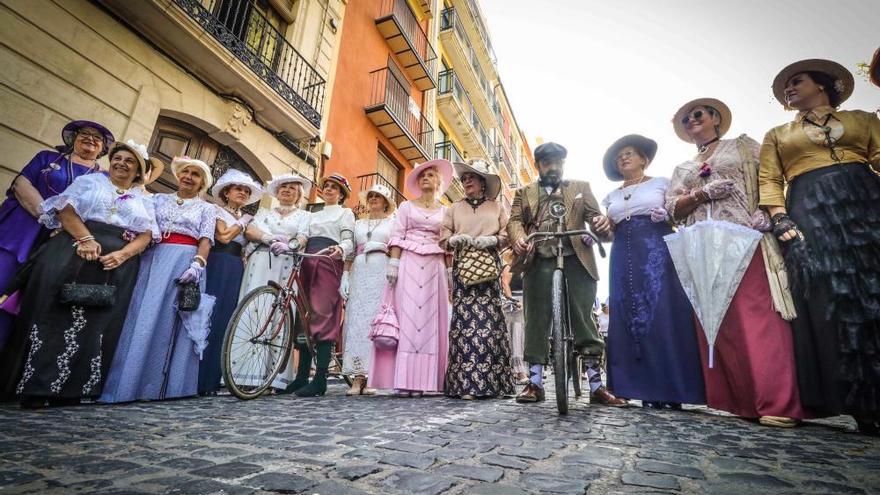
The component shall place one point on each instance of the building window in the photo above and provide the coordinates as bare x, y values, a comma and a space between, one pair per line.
388, 169
256, 23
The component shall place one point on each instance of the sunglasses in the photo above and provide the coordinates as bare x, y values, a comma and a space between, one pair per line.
696, 115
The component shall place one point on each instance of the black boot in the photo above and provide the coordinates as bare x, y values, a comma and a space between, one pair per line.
319, 382
302, 370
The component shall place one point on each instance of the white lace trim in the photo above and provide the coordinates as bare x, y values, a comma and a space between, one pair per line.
95, 370
36, 344
72, 347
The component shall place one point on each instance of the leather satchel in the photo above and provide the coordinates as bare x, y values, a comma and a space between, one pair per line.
189, 296
92, 295
476, 266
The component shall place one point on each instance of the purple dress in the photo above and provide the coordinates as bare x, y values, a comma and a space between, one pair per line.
50, 172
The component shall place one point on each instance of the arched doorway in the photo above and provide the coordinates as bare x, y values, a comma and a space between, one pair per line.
173, 137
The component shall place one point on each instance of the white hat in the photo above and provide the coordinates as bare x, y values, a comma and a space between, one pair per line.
181, 162
481, 168
151, 168
275, 183
234, 177
381, 190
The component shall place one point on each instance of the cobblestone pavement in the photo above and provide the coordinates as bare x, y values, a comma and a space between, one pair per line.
337, 445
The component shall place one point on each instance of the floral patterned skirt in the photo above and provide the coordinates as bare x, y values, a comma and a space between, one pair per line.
479, 349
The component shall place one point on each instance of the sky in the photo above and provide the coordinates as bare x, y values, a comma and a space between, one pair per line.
586, 72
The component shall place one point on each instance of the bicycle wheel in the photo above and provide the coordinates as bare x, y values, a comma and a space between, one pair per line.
560, 343
251, 359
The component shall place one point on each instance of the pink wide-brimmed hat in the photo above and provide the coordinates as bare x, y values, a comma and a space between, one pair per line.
444, 167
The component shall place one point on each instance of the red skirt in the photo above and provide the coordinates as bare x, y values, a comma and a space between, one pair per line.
321, 278
754, 369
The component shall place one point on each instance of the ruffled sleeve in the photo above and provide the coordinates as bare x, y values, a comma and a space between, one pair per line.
208, 222
398, 231
676, 188
447, 229
150, 207
84, 190
346, 233
502, 232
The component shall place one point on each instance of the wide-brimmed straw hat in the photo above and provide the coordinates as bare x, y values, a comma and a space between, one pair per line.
718, 105
874, 68
234, 177
381, 190
481, 168
68, 134
278, 181
843, 78
181, 162
151, 168
647, 146
443, 167
340, 181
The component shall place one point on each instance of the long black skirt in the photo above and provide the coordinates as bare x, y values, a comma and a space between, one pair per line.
837, 289
479, 348
65, 351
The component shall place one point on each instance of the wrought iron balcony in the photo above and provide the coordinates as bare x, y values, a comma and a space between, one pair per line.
455, 105
408, 40
392, 110
243, 30
367, 181
448, 151
464, 59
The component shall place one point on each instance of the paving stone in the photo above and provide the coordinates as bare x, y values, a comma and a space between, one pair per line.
661, 481
280, 482
731, 464
228, 470
453, 454
208, 487
673, 469
478, 473
504, 461
106, 466
756, 480
836, 488
419, 483
409, 460
186, 463
534, 453
552, 483
335, 488
352, 473
495, 489
412, 448
15, 478
599, 457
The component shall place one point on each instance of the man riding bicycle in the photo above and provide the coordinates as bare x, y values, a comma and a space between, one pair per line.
530, 213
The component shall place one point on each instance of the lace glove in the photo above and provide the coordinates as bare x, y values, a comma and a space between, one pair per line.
278, 248
460, 240
391, 271
245, 220
485, 241
718, 189
760, 221
782, 224
344, 286
587, 240
192, 274
449, 277
659, 214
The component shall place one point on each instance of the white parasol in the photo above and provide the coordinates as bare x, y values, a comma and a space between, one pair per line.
711, 257
198, 323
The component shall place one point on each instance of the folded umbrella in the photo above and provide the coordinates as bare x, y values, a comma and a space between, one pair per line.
198, 323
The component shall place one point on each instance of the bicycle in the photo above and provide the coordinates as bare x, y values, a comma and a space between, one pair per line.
258, 341
565, 358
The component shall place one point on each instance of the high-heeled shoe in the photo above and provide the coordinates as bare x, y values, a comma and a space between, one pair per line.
357, 386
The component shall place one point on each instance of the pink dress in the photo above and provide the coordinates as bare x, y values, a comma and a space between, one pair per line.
422, 306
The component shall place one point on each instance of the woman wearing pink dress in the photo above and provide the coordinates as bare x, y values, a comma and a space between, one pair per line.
419, 277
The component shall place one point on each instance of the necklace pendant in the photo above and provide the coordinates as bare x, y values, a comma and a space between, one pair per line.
113, 210
179, 201
626, 197
369, 235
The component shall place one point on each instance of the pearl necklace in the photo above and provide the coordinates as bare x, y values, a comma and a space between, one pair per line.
371, 226
626, 197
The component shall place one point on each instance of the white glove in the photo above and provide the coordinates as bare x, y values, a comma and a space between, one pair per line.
718, 188
278, 248
391, 271
659, 214
192, 274
485, 241
460, 240
245, 220
449, 277
343, 286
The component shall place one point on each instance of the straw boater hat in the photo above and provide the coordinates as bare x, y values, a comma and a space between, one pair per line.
719, 107
234, 177
275, 183
381, 190
643, 144
68, 135
151, 168
444, 167
843, 79
181, 162
481, 168
874, 68
340, 181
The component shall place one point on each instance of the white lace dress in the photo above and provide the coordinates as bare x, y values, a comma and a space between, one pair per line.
367, 280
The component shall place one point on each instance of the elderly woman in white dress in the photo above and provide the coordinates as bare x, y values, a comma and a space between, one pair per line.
156, 358
362, 283
269, 234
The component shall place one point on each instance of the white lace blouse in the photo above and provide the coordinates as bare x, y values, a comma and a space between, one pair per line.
372, 235
94, 197
195, 217
638, 199
295, 223
334, 222
230, 220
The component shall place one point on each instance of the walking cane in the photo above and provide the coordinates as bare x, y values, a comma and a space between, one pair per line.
167, 367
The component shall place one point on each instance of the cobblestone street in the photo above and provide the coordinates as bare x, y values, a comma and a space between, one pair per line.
336, 446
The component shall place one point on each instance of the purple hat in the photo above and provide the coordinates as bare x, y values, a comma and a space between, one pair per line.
68, 134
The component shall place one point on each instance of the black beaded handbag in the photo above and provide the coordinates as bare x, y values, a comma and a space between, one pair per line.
92, 295
188, 296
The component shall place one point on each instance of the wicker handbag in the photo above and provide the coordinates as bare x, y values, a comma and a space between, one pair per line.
476, 266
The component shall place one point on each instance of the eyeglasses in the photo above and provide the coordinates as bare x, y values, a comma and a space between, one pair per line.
89, 136
625, 155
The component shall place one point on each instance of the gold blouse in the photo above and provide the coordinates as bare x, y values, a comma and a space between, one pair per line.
797, 147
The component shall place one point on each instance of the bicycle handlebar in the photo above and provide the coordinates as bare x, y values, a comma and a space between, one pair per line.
543, 236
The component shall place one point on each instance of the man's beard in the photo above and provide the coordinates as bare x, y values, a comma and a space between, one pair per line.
550, 180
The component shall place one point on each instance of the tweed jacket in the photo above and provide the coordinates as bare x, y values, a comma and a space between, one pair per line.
580, 205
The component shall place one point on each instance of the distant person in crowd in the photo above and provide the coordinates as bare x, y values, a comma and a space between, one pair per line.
754, 372
479, 347
156, 356
363, 281
234, 189
106, 222
602, 320
47, 174
819, 183
651, 352
418, 273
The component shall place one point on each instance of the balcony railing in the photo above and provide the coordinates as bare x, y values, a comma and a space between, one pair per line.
367, 181
401, 29
390, 108
448, 82
447, 150
482, 135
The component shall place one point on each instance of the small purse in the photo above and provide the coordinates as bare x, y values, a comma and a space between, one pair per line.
476, 266
93, 295
385, 329
189, 296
